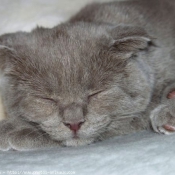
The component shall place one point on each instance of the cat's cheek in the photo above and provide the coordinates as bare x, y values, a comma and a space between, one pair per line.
37, 110
118, 104
38, 113
96, 106
56, 129
36, 117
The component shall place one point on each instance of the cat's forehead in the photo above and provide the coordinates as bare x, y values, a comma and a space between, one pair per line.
69, 47
67, 59
71, 39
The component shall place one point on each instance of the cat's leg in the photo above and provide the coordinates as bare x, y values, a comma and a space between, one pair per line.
163, 117
2, 112
22, 136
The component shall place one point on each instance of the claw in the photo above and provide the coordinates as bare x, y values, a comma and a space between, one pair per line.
169, 128
171, 95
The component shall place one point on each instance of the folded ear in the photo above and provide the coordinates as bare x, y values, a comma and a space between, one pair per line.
7, 57
130, 39
8, 54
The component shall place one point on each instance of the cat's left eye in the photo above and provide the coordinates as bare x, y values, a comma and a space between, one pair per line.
50, 99
93, 94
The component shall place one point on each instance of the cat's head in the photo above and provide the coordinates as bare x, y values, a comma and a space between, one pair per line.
73, 78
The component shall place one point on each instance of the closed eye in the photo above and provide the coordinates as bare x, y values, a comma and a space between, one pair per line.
47, 99
50, 99
93, 94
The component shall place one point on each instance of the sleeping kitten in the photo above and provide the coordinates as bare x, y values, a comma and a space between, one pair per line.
96, 76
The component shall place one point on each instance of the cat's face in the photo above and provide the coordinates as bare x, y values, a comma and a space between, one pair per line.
72, 79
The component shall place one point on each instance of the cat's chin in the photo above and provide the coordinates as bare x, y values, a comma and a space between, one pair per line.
77, 142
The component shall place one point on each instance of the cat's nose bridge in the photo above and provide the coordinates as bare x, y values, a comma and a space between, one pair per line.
73, 114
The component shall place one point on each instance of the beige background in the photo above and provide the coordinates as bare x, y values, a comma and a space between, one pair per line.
26, 14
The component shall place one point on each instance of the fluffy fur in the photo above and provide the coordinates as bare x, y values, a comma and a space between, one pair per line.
106, 67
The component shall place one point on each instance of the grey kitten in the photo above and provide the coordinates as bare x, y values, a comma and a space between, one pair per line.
98, 75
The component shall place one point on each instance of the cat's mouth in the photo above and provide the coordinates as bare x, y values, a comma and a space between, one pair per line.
75, 136
76, 140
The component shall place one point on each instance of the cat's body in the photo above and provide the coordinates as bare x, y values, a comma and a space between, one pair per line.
96, 76
2, 112
155, 16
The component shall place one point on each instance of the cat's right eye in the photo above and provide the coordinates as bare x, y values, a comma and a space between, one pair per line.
47, 99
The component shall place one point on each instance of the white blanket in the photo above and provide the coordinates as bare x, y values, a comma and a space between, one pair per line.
144, 153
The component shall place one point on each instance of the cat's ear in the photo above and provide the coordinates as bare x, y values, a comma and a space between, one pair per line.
6, 54
129, 39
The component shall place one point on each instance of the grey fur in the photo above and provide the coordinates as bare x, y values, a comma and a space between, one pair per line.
107, 66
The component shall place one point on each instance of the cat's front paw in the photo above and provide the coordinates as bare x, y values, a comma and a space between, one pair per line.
5, 128
29, 139
23, 138
163, 120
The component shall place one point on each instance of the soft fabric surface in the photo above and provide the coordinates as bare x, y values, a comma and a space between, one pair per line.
143, 153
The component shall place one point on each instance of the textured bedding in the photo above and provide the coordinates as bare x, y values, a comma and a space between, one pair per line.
143, 153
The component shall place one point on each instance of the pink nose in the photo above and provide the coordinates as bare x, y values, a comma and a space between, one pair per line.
74, 126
